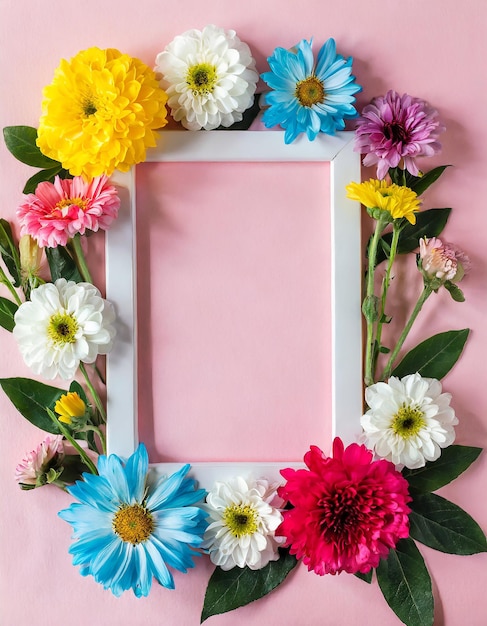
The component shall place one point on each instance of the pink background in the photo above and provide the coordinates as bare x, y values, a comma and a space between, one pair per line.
430, 49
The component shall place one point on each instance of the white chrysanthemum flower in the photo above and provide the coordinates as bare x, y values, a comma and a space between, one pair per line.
242, 522
409, 420
63, 323
209, 76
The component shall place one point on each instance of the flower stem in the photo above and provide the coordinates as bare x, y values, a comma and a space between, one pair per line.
100, 434
10, 287
427, 291
65, 432
94, 393
80, 258
397, 227
369, 306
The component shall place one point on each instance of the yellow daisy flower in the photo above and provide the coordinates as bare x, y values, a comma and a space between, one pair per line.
397, 200
100, 113
68, 406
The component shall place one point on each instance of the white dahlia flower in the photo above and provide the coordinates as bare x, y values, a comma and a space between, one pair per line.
409, 420
63, 323
242, 522
209, 76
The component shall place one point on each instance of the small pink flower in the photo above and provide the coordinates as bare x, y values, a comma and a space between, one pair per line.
58, 211
38, 462
349, 511
442, 260
394, 127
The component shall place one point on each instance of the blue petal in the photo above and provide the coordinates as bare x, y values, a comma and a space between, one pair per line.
166, 488
326, 56
136, 473
157, 565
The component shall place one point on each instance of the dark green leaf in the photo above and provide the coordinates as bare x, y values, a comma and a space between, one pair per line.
453, 461
444, 526
406, 584
7, 312
10, 251
418, 184
434, 357
365, 577
428, 224
21, 142
421, 184
62, 264
455, 292
31, 184
240, 586
31, 398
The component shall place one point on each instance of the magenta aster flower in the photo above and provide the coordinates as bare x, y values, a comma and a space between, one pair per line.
58, 211
349, 511
394, 127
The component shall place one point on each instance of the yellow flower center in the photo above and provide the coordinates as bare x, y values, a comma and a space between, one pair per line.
310, 91
240, 519
408, 421
133, 524
67, 202
201, 78
62, 328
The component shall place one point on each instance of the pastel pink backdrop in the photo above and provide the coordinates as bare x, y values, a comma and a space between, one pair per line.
429, 49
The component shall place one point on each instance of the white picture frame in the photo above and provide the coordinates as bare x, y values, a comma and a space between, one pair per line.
121, 283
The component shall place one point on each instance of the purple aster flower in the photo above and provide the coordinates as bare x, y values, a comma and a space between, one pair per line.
394, 127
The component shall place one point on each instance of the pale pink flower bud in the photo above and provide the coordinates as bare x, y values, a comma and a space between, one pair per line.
442, 260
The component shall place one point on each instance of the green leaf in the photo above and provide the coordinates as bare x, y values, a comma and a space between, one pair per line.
21, 142
428, 224
434, 357
31, 398
10, 251
365, 577
240, 586
49, 175
7, 312
444, 526
453, 461
62, 264
418, 184
455, 292
406, 584
421, 184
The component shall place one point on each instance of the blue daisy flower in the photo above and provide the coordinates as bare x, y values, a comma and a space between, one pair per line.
307, 97
128, 529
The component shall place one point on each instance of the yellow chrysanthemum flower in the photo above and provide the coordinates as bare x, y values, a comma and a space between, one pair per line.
100, 113
68, 406
397, 200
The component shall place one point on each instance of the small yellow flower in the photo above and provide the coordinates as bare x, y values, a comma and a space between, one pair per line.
68, 406
397, 200
100, 113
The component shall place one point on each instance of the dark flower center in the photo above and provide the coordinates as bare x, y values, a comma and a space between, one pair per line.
395, 132
241, 519
89, 108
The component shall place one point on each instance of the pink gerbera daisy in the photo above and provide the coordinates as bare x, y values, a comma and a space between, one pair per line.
349, 511
58, 211
33, 468
394, 127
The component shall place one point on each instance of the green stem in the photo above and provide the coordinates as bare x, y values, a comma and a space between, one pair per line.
427, 291
65, 432
10, 287
94, 393
397, 227
100, 434
369, 296
80, 258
